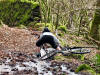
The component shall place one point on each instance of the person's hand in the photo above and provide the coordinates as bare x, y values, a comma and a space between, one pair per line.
59, 54
58, 48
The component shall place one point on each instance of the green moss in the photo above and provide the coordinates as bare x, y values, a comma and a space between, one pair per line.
63, 43
95, 33
92, 72
97, 59
83, 67
1, 23
16, 12
60, 34
59, 57
22, 26
40, 26
62, 28
77, 40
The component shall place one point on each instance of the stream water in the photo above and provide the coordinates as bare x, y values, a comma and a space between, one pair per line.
17, 63
36, 67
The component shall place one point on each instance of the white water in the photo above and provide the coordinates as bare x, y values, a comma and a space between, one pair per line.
64, 68
40, 65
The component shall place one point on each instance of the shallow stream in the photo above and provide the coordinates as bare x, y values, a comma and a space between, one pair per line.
19, 66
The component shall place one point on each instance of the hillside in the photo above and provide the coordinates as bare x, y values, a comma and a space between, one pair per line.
14, 39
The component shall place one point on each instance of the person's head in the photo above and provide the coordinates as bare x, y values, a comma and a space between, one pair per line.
46, 30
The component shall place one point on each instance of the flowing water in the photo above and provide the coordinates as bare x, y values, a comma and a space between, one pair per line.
39, 68
14, 66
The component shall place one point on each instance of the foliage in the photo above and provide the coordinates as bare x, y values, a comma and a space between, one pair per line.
60, 34
82, 57
83, 67
96, 59
0, 23
95, 28
96, 25
59, 58
62, 28
77, 56
63, 43
75, 15
92, 72
18, 12
22, 26
40, 26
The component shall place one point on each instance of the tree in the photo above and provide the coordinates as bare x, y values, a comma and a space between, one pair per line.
95, 28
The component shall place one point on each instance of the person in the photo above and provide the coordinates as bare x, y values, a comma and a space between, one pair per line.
48, 37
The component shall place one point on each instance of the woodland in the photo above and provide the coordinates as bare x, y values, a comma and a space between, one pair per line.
73, 22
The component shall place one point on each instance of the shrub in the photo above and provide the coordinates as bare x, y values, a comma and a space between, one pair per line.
62, 28
40, 26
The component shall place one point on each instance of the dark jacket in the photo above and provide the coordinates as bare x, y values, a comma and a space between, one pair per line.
48, 37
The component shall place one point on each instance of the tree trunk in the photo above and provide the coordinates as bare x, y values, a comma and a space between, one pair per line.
95, 28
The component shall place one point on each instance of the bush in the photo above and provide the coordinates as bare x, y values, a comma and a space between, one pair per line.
62, 28
40, 26
97, 60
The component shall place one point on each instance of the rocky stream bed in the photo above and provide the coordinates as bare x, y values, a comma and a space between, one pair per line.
17, 63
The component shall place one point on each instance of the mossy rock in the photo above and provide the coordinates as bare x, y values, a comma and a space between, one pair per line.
16, 12
83, 67
87, 72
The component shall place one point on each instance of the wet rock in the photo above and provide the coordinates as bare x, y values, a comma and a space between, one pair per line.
4, 73
32, 60
53, 63
14, 69
54, 69
19, 60
27, 71
23, 65
12, 64
84, 73
35, 68
48, 68
41, 73
54, 73
72, 70
73, 67
36, 72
